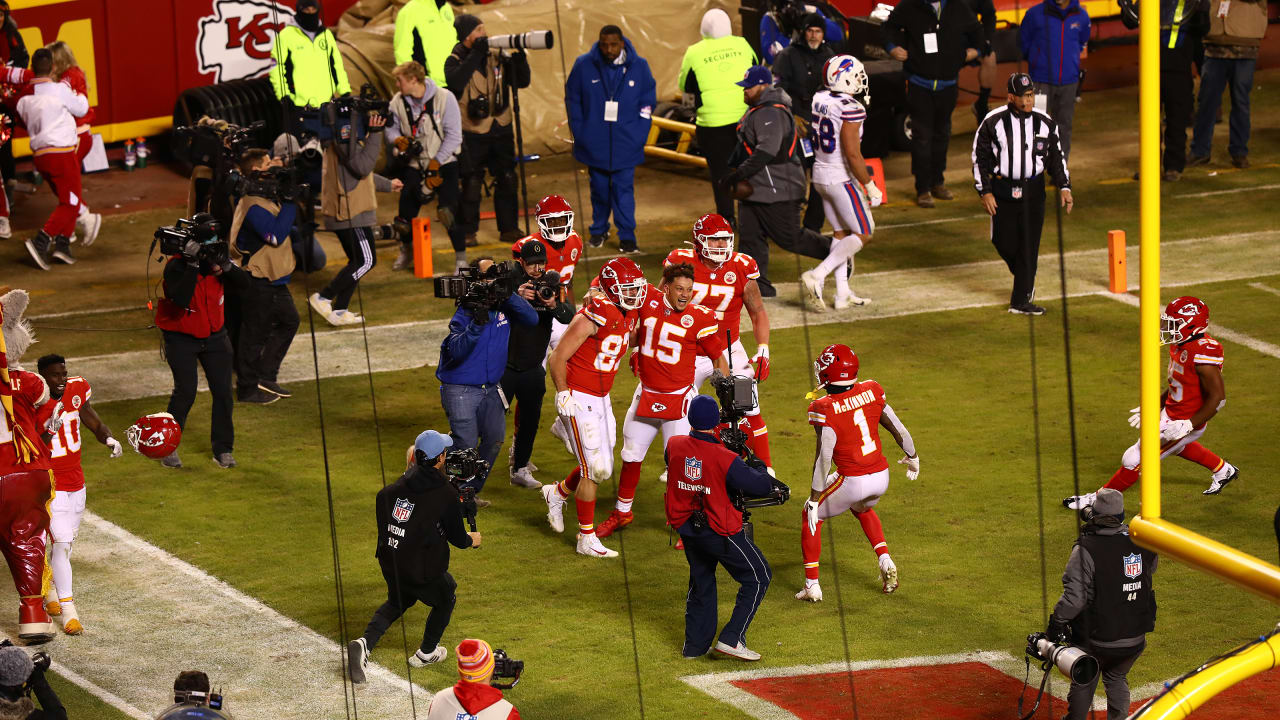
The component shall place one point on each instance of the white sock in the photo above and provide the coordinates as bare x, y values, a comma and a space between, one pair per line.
810, 582
841, 251
623, 506
846, 272
1223, 472
60, 562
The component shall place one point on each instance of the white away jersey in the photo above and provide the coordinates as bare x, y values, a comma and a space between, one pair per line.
830, 112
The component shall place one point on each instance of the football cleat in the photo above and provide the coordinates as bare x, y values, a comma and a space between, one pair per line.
888, 574
812, 593
616, 521
421, 659
357, 659
1216, 485
524, 478
555, 507
742, 652
844, 302
812, 291
1078, 502
590, 546
53, 607
73, 627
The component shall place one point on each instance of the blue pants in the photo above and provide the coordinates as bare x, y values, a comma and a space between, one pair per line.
1215, 75
746, 564
614, 191
476, 420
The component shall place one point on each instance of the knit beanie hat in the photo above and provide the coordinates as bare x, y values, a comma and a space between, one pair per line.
464, 23
15, 666
475, 660
704, 413
1108, 501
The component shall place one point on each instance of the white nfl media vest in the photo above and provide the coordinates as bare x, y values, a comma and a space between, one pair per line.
444, 706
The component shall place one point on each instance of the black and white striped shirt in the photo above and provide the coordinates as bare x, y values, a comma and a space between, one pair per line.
1017, 146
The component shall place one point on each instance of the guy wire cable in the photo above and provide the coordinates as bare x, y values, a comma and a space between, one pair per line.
831, 535
1066, 350
1035, 414
577, 183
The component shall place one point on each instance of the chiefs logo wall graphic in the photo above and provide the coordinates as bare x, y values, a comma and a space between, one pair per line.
235, 41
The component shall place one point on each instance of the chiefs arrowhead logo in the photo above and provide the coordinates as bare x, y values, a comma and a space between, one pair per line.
75, 402
235, 41
658, 407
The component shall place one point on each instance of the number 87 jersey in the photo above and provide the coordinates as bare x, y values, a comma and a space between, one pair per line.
592, 368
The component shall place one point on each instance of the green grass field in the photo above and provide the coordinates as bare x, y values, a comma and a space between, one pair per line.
597, 636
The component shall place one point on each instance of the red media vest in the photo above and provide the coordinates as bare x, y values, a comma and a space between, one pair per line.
696, 472
202, 318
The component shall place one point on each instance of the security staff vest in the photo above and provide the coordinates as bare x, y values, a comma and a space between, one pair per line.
425, 35
718, 64
1124, 603
202, 317
267, 262
696, 471
429, 128
445, 706
309, 72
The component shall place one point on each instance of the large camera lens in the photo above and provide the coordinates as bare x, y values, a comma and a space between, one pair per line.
532, 40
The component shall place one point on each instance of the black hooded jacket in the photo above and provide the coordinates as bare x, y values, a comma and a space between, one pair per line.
419, 516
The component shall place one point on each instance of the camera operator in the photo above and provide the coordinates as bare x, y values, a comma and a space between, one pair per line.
482, 82
260, 232
472, 696
700, 473
525, 381
473, 359
305, 160
1108, 604
22, 675
190, 315
426, 132
419, 516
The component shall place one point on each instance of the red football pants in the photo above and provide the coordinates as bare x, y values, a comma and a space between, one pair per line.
62, 170
24, 519
86, 144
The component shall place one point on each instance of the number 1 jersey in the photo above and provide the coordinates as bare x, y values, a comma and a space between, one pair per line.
854, 415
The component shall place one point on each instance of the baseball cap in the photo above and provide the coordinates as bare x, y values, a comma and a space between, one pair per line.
1021, 84
704, 413
432, 443
756, 75
533, 251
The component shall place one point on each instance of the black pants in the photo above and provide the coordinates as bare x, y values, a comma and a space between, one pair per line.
495, 152
437, 593
525, 389
1176, 95
746, 565
1015, 231
213, 353
716, 144
357, 243
1114, 665
781, 222
930, 112
266, 332
448, 196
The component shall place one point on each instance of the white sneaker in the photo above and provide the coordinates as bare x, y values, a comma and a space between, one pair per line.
848, 301
812, 291
591, 546
663, 477
323, 307
1216, 485
511, 459
812, 593
555, 507
1077, 502
5, 230
90, 224
344, 318
421, 659
888, 574
742, 652
357, 659
524, 478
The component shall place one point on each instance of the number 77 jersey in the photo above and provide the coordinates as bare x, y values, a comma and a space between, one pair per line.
719, 289
854, 415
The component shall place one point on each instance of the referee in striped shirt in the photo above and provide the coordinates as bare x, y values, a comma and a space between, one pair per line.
1014, 147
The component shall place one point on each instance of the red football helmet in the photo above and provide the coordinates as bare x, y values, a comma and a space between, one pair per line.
624, 283
555, 218
155, 435
1183, 319
713, 228
836, 365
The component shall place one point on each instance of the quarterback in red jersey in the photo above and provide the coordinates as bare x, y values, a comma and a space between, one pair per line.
564, 248
583, 367
725, 283
846, 421
1195, 394
61, 418
672, 332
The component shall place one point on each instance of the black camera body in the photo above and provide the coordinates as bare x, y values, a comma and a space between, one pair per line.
205, 231
460, 466
478, 107
507, 668
341, 119
547, 286
282, 184
208, 145
475, 290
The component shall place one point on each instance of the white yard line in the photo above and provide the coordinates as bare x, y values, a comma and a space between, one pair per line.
1264, 288
95, 311
1227, 192
1219, 332
105, 696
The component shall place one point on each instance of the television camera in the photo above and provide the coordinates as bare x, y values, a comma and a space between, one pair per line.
460, 466
340, 119
477, 290
203, 229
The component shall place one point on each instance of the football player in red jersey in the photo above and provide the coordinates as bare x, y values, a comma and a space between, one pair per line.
724, 283
846, 421
672, 332
564, 248
1196, 393
583, 367
68, 408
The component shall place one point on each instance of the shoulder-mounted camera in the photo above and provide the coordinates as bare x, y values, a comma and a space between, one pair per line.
203, 228
477, 290
460, 466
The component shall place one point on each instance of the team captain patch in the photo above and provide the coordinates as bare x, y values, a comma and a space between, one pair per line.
693, 468
403, 510
1132, 565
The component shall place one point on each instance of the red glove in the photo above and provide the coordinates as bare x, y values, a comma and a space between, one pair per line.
761, 361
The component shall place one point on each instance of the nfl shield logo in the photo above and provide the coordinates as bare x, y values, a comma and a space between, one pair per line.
1132, 565
693, 468
404, 509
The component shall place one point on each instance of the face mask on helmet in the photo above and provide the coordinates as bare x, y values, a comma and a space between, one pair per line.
556, 227
155, 435
845, 74
624, 283
713, 239
1183, 319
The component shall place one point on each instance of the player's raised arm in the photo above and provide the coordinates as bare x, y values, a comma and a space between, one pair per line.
89, 418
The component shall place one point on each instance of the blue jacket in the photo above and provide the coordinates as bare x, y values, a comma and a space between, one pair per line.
476, 353
771, 33
592, 82
1051, 40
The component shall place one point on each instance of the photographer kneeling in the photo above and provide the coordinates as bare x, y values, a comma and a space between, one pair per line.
190, 315
260, 232
22, 675
1107, 606
419, 516
473, 696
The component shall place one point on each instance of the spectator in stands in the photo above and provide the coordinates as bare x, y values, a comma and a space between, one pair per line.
709, 72
1055, 38
1236, 28
424, 34
65, 69
609, 97
21, 674
472, 696
798, 71
309, 69
932, 45
786, 21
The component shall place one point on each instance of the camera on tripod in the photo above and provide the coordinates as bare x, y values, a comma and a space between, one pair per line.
203, 229
478, 290
1071, 661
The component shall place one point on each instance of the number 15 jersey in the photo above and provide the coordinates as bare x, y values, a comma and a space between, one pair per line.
830, 111
854, 415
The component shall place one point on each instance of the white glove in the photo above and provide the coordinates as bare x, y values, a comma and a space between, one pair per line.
1175, 430
776, 48
565, 404
114, 444
913, 466
811, 516
55, 420
873, 194
1135, 418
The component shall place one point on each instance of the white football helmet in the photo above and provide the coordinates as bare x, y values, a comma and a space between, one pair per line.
845, 74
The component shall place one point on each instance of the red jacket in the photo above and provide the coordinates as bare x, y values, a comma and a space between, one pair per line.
74, 77
696, 472
202, 316
478, 696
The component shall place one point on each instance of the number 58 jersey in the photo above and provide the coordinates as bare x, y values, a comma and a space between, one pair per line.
829, 112
854, 415
593, 367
